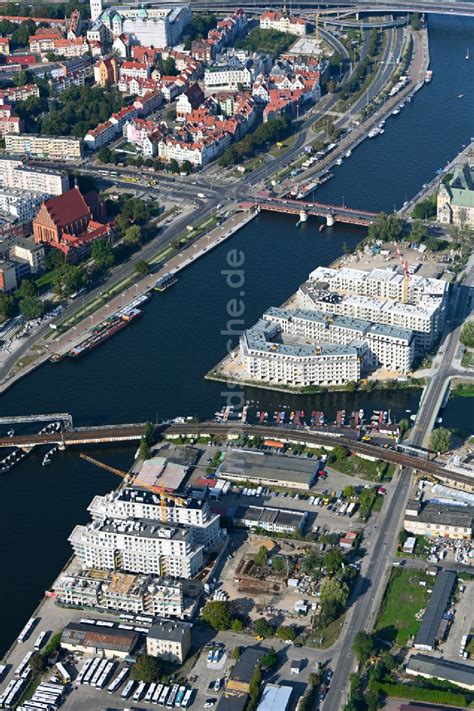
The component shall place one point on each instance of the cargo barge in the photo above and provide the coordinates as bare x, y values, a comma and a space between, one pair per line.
104, 330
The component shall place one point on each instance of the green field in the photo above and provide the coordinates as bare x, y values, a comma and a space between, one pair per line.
364, 468
403, 599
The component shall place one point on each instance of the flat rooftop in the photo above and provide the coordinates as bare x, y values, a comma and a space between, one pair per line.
437, 604
243, 464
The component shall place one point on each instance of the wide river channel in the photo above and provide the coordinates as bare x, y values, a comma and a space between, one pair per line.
155, 368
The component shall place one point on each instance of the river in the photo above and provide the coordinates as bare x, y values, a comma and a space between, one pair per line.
155, 368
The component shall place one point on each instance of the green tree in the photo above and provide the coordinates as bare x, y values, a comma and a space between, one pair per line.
37, 663
236, 653
440, 440
186, 167
415, 21
364, 646
142, 267
286, 633
404, 425
263, 628
135, 210
467, 334
349, 491
173, 166
149, 434
269, 660
332, 591
69, 278
146, 668
217, 614
144, 451
419, 231
333, 560
7, 306
27, 289
105, 154
103, 254
278, 564
261, 557
31, 307
237, 625
133, 235
425, 210
339, 452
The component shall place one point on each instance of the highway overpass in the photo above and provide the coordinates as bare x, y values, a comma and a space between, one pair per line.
446, 7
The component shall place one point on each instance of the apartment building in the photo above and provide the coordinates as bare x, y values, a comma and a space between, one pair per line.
297, 364
124, 592
65, 148
149, 26
230, 76
15, 173
129, 503
283, 22
169, 640
138, 546
12, 94
20, 204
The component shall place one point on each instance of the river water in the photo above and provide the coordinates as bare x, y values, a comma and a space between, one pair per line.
154, 369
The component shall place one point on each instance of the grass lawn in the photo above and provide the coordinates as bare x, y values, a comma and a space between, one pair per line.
364, 468
283, 146
403, 599
323, 639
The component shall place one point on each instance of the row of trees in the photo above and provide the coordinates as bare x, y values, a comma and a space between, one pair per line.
363, 66
266, 133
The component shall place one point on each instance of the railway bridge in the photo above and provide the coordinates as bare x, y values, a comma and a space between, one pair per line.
305, 435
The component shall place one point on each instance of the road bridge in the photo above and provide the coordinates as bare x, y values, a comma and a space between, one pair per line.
438, 7
331, 213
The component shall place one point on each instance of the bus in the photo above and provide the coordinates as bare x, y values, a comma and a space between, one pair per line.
163, 696
137, 696
157, 693
149, 693
83, 671
27, 629
128, 689
91, 670
187, 699
98, 672
63, 673
171, 698
40, 640
115, 683
180, 696
109, 667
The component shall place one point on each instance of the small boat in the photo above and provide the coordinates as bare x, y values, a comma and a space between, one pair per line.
460, 96
11, 433
361, 414
339, 161
467, 53
165, 282
46, 460
428, 76
396, 111
322, 227
349, 153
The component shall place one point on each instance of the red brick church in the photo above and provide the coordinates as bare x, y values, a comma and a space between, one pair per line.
71, 222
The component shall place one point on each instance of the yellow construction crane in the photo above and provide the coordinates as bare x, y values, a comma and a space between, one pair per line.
164, 495
406, 285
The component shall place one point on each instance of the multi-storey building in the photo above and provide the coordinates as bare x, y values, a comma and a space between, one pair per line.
282, 22
138, 546
14, 173
65, 148
132, 503
455, 204
20, 204
169, 640
103, 590
229, 76
150, 26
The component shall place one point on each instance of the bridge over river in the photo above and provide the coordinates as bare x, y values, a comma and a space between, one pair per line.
305, 435
331, 213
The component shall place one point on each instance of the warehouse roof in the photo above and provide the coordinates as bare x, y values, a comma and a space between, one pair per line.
455, 672
241, 464
99, 637
437, 604
461, 516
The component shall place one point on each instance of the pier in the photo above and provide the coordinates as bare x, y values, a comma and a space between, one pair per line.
331, 213
63, 417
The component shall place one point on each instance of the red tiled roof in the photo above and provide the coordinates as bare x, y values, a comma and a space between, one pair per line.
67, 207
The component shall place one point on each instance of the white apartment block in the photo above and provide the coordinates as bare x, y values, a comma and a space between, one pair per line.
297, 364
227, 77
20, 204
282, 22
15, 174
387, 346
122, 592
137, 546
378, 296
198, 153
149, 26
129, 503
65, 148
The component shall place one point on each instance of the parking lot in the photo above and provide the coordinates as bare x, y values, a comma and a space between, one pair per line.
462, 623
